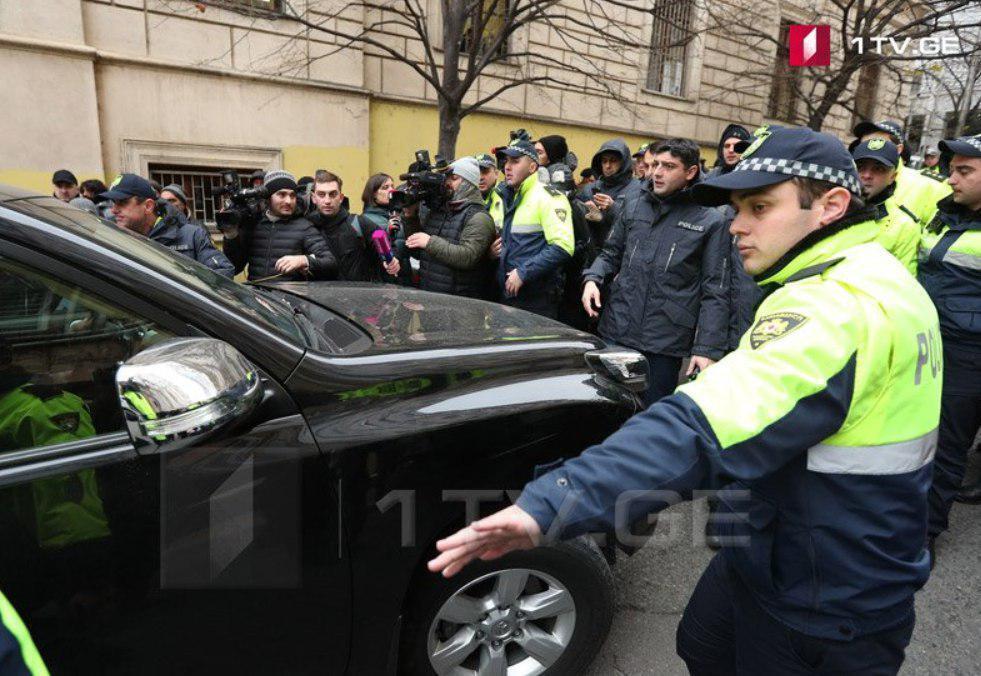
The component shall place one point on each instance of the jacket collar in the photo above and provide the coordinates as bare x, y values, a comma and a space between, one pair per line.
163, 229
884, 195
822, 245
955, 214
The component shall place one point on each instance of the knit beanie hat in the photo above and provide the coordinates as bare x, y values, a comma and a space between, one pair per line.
555, 147
177, 192
279, 180
467, 169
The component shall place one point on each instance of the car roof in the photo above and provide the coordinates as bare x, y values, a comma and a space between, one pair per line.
9, 192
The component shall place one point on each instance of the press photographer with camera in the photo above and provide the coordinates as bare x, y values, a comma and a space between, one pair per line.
453, 235
282, 244
135, 206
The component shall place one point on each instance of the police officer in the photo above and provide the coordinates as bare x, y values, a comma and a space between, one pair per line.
493, 201
931, 164
877, 161
537, 237
825, 417
135, 207
950, 271
664, 264
916, 192
18, 654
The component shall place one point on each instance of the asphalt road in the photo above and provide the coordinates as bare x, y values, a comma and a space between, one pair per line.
653, 587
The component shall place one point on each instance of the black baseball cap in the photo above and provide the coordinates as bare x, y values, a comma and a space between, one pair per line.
129, 185
519, 147
891, 127
778, 155
878, 149
64, 176
968, 146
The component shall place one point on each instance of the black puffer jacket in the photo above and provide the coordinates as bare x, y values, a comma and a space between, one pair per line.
271, 238
665, 262
621, 187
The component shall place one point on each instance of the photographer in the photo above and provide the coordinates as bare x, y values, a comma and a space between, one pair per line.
453, 237
283, 243
135, 207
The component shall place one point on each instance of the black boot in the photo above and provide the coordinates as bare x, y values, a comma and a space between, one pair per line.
970, 493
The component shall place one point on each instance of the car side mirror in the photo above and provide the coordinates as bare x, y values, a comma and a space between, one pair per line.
178, 392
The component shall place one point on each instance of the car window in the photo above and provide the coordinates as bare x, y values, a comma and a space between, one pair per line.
241, 298
59, 349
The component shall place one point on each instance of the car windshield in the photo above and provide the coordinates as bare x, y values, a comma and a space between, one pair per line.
246, 300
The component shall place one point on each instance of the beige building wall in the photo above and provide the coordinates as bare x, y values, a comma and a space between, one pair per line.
105, 86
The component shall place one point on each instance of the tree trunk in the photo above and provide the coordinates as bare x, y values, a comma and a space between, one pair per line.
829, 99
449, 128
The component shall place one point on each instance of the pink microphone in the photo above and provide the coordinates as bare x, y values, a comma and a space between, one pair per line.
384, 248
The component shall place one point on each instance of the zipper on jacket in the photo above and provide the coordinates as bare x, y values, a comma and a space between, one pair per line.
725, 269
670, 256
633, 251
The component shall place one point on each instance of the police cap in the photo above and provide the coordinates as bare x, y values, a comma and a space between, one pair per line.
968, 146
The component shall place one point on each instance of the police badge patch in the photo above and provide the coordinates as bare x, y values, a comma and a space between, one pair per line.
66, 422
774, 326
561, 213
877, 144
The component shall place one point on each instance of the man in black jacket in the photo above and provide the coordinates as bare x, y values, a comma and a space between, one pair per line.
613, 164
282, 244
135, 207
665, 261
346, 235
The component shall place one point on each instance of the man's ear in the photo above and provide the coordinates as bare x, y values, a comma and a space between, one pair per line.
691, 173
836, 203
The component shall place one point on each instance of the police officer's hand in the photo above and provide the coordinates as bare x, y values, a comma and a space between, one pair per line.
393, 267
591, 299
512, 283
495, 249
289, 264
698, 364
418, 240
500, 533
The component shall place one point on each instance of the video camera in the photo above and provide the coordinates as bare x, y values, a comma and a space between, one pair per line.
424, 182
241, 206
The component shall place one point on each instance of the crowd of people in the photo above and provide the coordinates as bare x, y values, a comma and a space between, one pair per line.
869, 263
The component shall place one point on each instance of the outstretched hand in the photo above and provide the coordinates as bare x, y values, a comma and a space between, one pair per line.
502, 532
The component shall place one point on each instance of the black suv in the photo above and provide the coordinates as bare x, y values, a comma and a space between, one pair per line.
198, 475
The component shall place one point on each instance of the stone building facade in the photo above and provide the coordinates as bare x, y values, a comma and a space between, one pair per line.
176, 88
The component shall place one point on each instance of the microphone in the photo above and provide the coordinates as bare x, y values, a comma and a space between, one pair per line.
384, 248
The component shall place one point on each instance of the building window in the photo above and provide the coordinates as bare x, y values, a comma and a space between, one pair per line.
670, 35
865, 93
495, 21
914, 131
784, 88
201, 185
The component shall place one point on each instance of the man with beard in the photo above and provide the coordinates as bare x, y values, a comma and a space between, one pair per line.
453, 239
877, 161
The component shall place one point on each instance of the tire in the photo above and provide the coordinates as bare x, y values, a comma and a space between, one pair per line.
473, 636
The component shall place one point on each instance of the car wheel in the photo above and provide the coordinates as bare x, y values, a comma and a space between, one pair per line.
542, 611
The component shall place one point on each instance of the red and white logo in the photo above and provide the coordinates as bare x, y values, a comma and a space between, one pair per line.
809, 45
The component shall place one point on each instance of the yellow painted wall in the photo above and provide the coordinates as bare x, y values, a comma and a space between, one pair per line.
399, 129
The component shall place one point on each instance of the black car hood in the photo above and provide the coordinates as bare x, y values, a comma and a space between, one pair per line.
402, 319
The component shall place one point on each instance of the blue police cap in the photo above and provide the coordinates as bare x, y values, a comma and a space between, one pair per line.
878, 149
129, 185
968, 146
519, 147
778, 155
891, 127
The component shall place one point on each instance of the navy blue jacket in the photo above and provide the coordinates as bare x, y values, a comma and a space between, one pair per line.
191, 240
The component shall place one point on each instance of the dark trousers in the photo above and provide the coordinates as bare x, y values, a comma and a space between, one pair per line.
544, 304
724, 631
662, 376
960, 419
